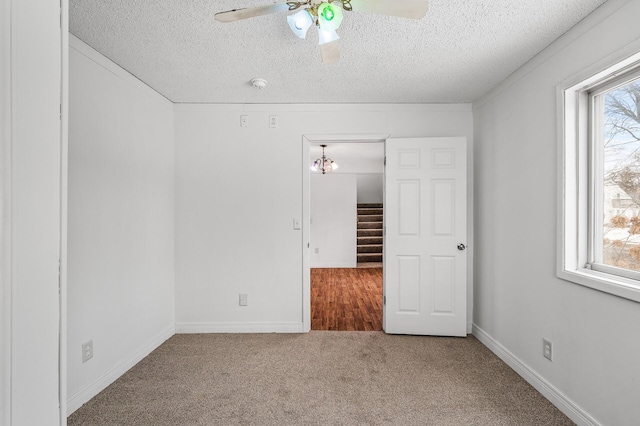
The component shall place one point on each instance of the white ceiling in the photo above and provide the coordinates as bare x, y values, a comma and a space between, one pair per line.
457, 53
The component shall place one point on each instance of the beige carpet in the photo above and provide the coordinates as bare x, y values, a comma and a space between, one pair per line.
320, 378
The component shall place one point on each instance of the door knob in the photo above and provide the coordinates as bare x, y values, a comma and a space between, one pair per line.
461, 247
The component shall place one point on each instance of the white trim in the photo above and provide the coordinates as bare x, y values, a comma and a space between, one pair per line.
81, 47
553, 394
333, 265
85, 394
617, 286
241, 327
64, 167
426, 108
5, 214
567, 39
306, 236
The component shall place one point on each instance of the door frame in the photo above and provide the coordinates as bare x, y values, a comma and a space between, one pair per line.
5, 214
7, 221
307, 140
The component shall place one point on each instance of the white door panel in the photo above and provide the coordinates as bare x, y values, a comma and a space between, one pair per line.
425, 221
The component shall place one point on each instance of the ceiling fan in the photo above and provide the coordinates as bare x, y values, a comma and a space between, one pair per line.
327, 16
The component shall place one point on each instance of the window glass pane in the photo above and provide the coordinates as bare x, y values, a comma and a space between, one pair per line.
620, 175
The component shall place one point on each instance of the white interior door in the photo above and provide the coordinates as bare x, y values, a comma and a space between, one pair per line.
425, 260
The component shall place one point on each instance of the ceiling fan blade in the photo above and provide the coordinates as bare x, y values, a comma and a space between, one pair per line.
330, 52
414, 9
250, 12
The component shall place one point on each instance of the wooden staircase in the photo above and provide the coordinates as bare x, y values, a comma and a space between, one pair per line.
370, 233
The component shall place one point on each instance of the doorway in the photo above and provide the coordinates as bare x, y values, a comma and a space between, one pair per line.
425, 259
345, 234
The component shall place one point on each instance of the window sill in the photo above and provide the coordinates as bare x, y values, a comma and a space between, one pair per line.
606, 283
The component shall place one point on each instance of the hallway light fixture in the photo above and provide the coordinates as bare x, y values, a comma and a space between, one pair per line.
324, 164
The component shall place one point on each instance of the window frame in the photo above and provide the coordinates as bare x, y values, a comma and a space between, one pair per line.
576, 195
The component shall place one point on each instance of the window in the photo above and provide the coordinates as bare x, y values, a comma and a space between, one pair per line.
615, 193
599, 197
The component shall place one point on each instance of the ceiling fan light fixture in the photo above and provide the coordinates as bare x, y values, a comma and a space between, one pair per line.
327, 36
329, 16
300, 23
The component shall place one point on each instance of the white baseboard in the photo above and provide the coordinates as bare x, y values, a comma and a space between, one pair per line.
226, 327
557, 398
82, 396
333, 264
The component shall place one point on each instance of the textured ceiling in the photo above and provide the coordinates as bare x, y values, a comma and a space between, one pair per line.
456, 53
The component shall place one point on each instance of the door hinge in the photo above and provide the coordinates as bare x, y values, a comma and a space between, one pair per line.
385, 160
384, 300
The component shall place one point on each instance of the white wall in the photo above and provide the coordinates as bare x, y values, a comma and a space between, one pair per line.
31, 172
518, 299
121, 222
370, 188
234, 213
333, 220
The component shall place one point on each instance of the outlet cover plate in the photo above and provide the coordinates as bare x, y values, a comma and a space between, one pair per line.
244, 299
87, 351
547, 348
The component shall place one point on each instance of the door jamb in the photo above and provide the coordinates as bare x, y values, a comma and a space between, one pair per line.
5, 214
306, 206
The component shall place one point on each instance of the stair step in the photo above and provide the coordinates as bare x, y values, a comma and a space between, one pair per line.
369, 257
369, 225
370, 205
369, 240
370, 248
369, 232
370, 218
368, 211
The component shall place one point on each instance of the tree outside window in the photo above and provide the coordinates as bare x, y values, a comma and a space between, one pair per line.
621, 175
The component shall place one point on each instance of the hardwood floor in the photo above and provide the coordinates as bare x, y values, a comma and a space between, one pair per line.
346, 299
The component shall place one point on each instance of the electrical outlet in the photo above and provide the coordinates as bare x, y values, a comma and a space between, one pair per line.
244, 121
547, 348
243, 299
273, 121
87, 351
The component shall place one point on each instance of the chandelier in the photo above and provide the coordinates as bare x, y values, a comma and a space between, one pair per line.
324, 164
